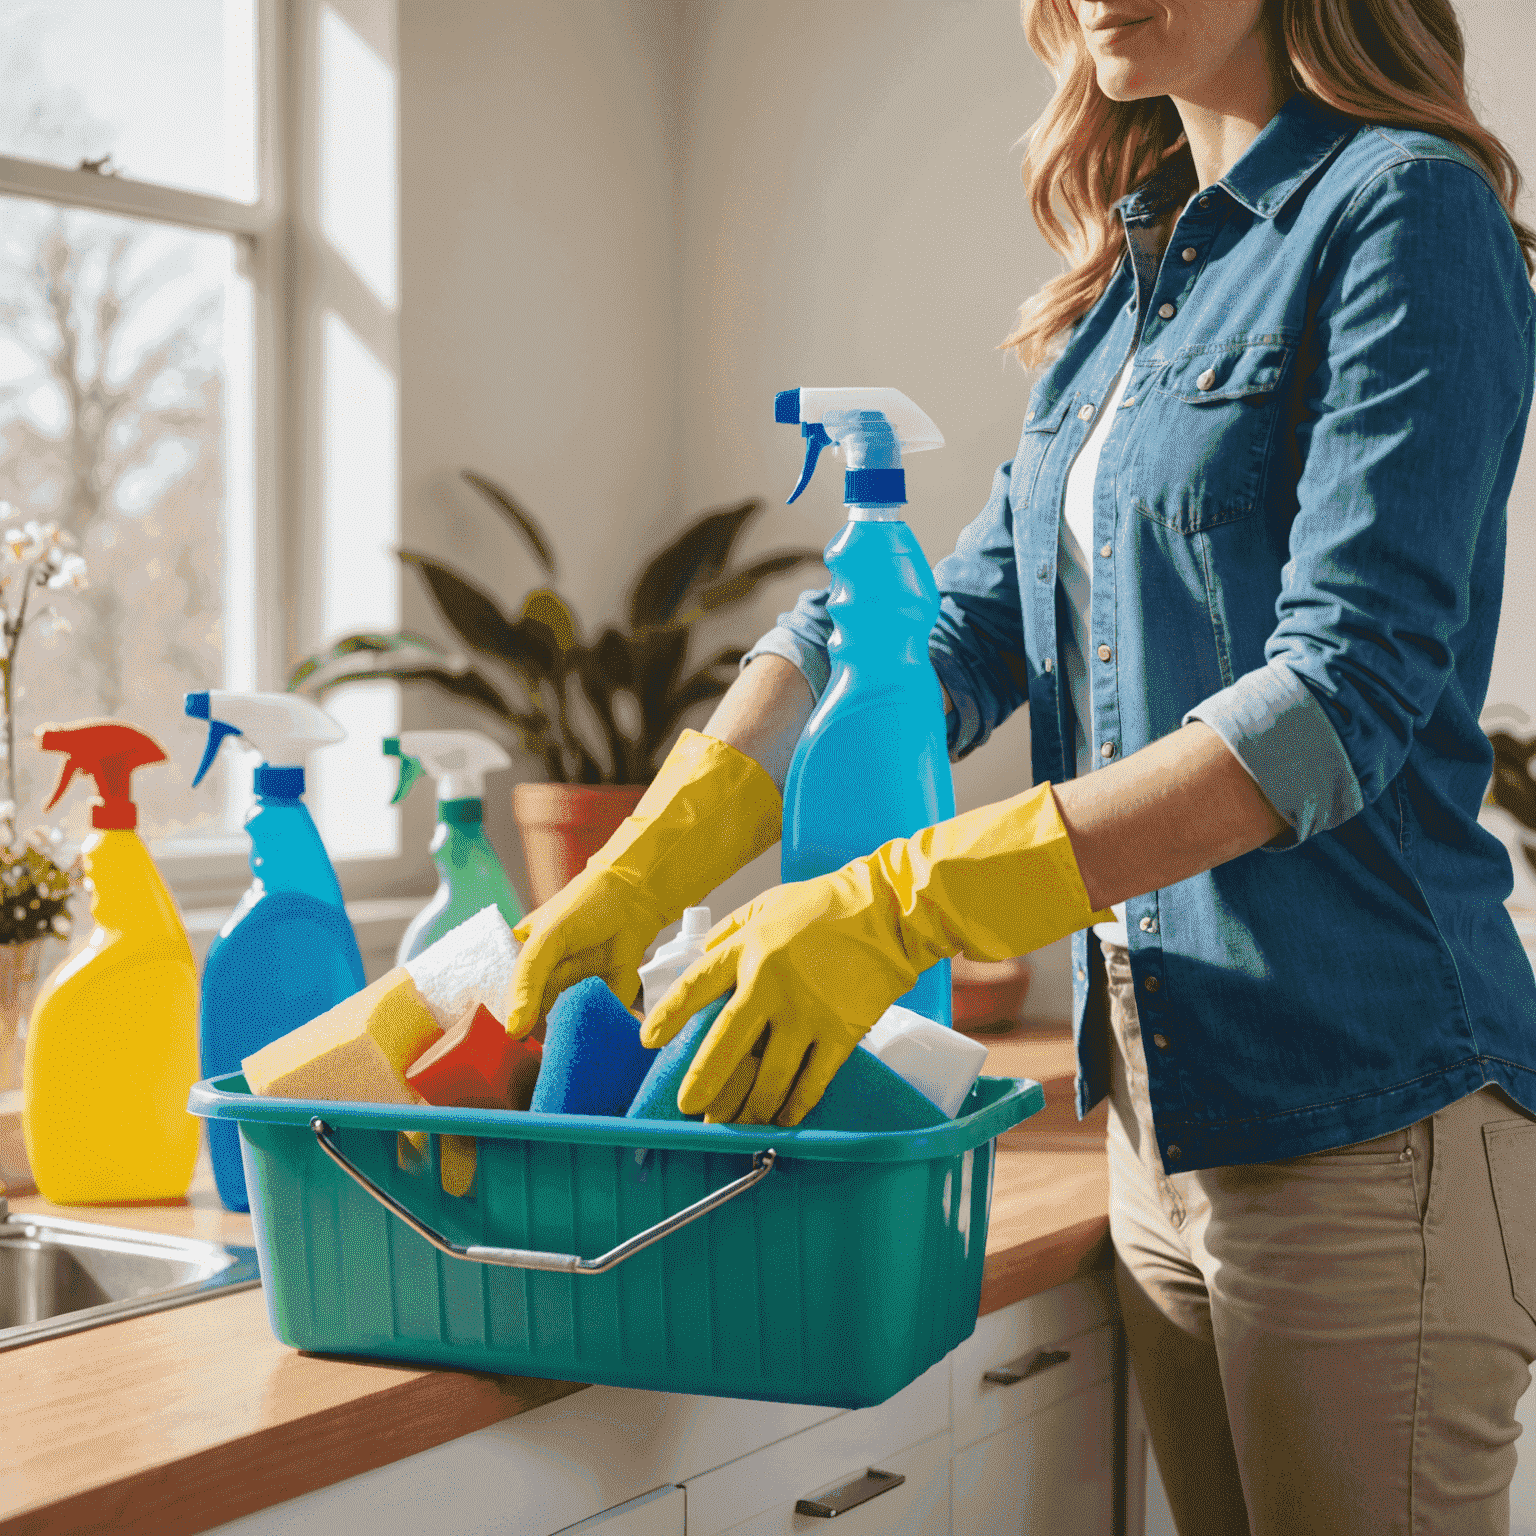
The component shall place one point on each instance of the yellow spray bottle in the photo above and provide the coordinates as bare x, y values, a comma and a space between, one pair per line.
112, 1046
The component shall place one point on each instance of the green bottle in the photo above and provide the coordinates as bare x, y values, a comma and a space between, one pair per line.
472, 876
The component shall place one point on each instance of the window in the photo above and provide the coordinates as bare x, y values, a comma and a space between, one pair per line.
197, 381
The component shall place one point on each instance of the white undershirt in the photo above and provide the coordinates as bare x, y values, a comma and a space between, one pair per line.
1076, 569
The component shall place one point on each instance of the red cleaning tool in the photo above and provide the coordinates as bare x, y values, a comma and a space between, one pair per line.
477, 1065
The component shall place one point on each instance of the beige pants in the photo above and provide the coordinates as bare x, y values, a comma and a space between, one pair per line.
1332, 1345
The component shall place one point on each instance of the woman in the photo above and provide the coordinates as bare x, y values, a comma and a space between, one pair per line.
1246, 567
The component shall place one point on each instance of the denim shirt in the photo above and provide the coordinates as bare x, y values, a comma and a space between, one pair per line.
1299, 530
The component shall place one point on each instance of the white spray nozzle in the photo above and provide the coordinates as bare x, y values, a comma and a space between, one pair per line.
457, 760
873, 427
695, 923
284, 727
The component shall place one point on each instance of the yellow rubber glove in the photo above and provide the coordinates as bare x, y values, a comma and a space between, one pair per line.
816, 963
708, 811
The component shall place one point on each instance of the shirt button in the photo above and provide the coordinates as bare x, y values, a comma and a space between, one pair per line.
1207, 380
1189, 253
1086, 414
1151, 983
1029, 416
1149, 925
1082, 975
1128, 402
1048, 663
1107, 550
1107, 750
1205, 202
1160, 1041
1167, 311
1173, 1154
1105, 653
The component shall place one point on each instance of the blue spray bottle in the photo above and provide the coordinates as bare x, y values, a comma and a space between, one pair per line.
287, 952
872, 762
471, 876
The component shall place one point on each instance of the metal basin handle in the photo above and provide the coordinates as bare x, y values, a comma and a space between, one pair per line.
537, 1258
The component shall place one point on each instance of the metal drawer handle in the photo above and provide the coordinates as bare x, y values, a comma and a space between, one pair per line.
538, 1258
1011, 1375
860, 1491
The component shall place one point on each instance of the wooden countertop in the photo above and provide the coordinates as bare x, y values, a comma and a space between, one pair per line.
182, 1420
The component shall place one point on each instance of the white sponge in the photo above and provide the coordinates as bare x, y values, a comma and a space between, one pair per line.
940, 1063
470, 965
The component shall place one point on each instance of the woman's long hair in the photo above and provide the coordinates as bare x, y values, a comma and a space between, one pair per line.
1399, 63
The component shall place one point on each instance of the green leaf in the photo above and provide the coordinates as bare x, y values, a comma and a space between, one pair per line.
739, 587
1512, 788
522, 521
546, 614
479, 620
349, 645
697, 555
658, 660
613, 659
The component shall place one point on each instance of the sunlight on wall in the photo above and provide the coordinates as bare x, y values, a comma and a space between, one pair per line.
359, 212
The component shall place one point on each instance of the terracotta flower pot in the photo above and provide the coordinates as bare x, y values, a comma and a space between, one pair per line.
563, 825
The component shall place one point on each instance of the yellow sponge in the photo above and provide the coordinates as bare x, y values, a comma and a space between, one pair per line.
357, 1051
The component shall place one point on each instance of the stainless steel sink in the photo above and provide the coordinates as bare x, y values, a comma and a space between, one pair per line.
59, 1276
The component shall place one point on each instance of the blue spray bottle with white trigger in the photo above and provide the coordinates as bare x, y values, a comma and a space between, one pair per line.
873, 760
287, 953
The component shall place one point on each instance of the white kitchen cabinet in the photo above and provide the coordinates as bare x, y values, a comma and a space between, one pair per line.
542, 1471
659, 1513
917, 1506
1038, 1452
1049, 1474
757, 1493
1027, 1356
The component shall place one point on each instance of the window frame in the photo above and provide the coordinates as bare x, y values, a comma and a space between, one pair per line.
276, 241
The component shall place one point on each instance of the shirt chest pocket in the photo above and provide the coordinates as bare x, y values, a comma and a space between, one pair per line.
1208, 425
1042, 422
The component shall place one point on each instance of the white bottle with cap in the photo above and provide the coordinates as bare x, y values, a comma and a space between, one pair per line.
674, 957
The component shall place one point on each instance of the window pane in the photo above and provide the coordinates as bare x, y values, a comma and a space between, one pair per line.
165, 87
125, 356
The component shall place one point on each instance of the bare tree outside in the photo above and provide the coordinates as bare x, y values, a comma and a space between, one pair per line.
112, 426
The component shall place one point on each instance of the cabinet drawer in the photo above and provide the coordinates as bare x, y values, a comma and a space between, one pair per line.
1052, 1474
1076, 1319
768, 1481
919, 1506
661, 1513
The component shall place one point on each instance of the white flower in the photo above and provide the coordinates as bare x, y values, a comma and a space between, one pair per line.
19, 913
41, 534
17, 545
55, 835
71, 572
61, 925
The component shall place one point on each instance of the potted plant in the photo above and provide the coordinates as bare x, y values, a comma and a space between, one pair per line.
598, 713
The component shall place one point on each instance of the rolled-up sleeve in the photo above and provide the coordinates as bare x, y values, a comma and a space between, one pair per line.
1414, 387
801, 636
977, 643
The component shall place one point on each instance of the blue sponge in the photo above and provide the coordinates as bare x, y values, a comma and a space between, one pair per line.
593, 1060
657, 1098
864, 1096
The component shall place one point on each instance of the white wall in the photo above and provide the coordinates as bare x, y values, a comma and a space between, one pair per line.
538, 298
626, 223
